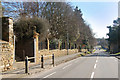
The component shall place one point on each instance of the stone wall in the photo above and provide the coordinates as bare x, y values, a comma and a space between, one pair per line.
6, 54
6, 44
11, 34
57, 52
7, 29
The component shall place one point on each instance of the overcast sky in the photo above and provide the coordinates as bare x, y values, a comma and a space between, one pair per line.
98, 15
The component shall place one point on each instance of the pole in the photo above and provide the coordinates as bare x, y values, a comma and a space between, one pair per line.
67, 41
42, 60
35, 50
53, 59
14, 50
110, 38
26, 65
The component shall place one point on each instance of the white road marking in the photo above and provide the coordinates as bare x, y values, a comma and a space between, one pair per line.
96, 61
66, 66
49, 75
92, 75
95, 66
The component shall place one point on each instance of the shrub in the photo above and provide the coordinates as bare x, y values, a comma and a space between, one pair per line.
23, 27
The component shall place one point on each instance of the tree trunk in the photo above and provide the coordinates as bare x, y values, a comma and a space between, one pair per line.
44, 44
59, 44
70, 45
65, 45
47, 43
75, 46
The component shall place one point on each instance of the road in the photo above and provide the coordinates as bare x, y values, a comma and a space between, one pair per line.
98, 65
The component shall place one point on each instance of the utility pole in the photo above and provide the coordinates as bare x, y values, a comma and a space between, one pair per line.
67, 41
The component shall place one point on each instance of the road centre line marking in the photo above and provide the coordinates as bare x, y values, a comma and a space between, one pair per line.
92, 75
66, 66
49, 75
95, 66
96, 61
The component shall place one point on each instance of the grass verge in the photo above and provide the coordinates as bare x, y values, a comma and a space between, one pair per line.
117, 53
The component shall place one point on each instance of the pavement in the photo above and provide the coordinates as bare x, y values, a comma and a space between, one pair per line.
20, 71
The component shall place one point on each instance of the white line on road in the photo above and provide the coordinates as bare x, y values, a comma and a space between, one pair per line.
92, 75
96, 61
66, 66
49, 75
95, 66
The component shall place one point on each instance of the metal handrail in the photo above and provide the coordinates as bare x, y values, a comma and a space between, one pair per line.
31, 57
47, 55
42, 61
